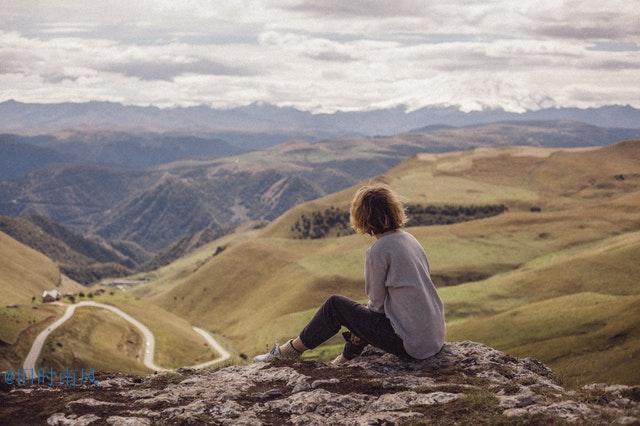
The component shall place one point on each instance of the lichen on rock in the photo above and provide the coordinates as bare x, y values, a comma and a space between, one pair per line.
466, 382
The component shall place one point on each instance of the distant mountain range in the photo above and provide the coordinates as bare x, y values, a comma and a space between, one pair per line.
28, 118
21, 154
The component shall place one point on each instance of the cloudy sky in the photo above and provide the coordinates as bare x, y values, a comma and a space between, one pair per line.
323, 55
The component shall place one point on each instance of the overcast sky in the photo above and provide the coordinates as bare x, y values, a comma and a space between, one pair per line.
323, 55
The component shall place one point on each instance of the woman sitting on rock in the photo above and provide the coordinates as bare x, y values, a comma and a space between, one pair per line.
404, 314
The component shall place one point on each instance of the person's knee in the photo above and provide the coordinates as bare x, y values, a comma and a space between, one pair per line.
339, 306
336, 299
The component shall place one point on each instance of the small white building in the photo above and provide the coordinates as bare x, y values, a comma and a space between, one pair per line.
50, 295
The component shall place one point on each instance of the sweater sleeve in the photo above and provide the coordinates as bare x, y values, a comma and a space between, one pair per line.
375, 276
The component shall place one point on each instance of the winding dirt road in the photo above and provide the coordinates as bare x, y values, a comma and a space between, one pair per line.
149, 339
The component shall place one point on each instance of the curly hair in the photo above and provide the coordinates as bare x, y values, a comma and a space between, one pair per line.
375, 209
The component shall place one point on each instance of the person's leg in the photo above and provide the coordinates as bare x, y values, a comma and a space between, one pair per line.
298, 345
371, 327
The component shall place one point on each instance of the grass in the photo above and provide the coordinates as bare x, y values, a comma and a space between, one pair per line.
15, 320
165, 277
586, 337
576, 310
561, 284
177, 345
606, 267
94, 338
25, 273
252, 276
579, 253
19, 328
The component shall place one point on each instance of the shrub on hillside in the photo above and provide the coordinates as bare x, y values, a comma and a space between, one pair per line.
334, 221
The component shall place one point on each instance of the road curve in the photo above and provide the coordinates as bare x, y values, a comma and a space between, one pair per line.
149, 339
224, 355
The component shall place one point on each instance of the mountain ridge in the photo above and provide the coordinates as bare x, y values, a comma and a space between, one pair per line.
32, 117
82, 258
147, 206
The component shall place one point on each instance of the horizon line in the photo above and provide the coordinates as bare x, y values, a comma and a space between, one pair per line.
457, 107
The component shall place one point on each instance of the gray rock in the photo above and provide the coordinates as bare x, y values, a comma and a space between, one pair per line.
116, 382
524, 398
59, 419
406, 399
91, 402
627, 420
128, 421
318, 383
464, 379
570, 411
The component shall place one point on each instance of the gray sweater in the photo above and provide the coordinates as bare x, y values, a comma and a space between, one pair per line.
398, 284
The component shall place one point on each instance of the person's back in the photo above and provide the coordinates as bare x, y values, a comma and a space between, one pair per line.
404, 315
397, 279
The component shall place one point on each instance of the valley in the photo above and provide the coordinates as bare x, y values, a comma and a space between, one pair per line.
533, 248
147, 205
564, 269
93, 340
176, 189
90, 339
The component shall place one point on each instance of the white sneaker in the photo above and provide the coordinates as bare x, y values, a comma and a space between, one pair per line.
271, 355
339, 360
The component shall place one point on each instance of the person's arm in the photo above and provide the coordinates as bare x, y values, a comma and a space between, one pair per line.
375, 276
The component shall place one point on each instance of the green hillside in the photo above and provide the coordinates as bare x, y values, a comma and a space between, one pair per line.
92, 337
95, 338
84, 259
25, 273
565, 207
150, 192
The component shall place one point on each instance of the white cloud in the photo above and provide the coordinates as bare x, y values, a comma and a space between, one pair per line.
323, 55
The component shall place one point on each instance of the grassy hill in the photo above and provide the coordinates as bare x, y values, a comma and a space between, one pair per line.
83, 258
92, 337
95, 338
25, 273
177, 345
568, 240
152, 191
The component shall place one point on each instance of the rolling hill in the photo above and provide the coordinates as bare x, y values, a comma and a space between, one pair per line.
151, 210
85, 259
24, 274
260, 185
93, 338
559, 264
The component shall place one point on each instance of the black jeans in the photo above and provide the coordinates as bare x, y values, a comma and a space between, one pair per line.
370, 327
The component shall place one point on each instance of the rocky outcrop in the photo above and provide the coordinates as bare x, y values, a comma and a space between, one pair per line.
465, 383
